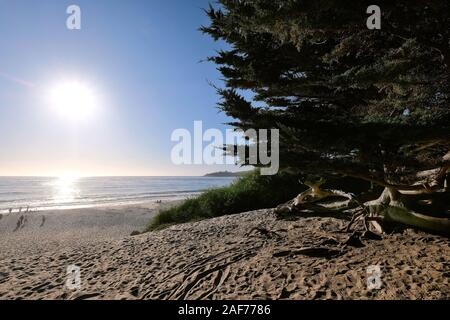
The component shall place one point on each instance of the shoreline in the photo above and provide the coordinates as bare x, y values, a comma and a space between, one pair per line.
112, 204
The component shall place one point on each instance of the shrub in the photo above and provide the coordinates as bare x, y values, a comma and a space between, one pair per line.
249, 192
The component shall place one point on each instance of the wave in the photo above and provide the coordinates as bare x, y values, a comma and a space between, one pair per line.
48, 193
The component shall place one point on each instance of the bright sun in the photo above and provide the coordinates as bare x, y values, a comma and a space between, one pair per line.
73, 100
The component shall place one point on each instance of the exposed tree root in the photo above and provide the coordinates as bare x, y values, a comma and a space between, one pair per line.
417, 220
313, 199
316, 194
392, 207
396, 207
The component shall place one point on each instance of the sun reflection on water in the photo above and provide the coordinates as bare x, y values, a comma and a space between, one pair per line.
65, 189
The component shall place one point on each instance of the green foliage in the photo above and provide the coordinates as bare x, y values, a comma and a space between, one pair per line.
250, 192
366, 103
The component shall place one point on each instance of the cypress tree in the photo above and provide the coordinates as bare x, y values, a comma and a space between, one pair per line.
348, 100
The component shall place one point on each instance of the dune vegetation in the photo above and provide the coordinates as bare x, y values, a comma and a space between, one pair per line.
249, 192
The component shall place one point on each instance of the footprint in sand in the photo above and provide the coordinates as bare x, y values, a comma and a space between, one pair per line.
21, 223
25, 221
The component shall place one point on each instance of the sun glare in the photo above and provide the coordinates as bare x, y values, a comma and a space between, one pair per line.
73, 100
65, 188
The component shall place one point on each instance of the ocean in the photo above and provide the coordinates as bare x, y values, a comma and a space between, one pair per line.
44, 193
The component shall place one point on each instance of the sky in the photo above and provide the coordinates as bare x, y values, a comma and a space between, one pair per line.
140, 59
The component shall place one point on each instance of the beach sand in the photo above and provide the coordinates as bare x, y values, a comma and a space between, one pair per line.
46, 231
252, 255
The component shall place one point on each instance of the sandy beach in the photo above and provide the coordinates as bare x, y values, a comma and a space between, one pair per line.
45, 231
252, 255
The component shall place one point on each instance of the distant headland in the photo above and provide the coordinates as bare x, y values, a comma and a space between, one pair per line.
225, 174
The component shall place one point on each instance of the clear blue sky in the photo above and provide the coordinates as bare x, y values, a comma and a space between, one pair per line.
141, 57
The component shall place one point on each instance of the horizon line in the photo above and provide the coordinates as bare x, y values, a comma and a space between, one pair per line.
102, 176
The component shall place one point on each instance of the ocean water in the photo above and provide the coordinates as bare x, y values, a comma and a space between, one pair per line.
67, 193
